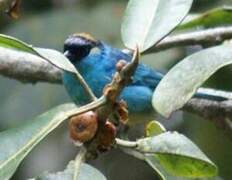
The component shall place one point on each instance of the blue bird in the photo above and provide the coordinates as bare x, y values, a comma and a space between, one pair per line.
96, 62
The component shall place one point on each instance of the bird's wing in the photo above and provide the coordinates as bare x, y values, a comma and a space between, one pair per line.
146, 76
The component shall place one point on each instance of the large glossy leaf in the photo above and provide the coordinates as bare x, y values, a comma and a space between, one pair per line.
213, 18
177, 155
183, 80
16, 143
52, 56
87, 172
146, 22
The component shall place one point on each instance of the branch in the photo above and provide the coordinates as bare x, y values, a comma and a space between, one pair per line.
203, 37
4, 4
105, 136
218, 112
33, 69
27, 68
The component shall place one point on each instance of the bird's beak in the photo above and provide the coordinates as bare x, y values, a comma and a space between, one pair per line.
69, 55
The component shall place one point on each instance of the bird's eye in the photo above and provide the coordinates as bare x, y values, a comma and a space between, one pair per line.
76, 53
82, 51
78, 47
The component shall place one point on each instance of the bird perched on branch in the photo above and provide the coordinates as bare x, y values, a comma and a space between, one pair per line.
96, 61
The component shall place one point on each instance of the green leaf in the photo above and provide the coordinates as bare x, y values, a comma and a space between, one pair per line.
183, 80
164, 175
154, 128
213, 18
178, 155
155, 164
87, 172
146, 22
17, 142
13, 43
52, 56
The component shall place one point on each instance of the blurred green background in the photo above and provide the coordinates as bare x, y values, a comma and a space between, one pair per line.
47, 23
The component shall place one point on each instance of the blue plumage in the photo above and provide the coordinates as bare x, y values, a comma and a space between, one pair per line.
96, 62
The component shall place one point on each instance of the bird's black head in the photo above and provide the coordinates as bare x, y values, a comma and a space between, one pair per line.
78, 46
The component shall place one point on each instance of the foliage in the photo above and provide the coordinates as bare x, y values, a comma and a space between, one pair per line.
86, 172
194, 71
17, 142
213, 18
144, 27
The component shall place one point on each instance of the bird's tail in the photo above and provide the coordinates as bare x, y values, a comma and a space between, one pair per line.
211, 94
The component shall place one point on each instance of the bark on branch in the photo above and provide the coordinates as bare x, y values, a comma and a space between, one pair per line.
208, 37
218, 112
27, 68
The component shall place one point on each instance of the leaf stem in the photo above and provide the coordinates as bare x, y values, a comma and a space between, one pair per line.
86, 86
126, 144
80, 158
93, 105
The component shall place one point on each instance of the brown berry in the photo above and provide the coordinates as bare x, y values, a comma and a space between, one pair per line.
107, 136
82, 128
123, 112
